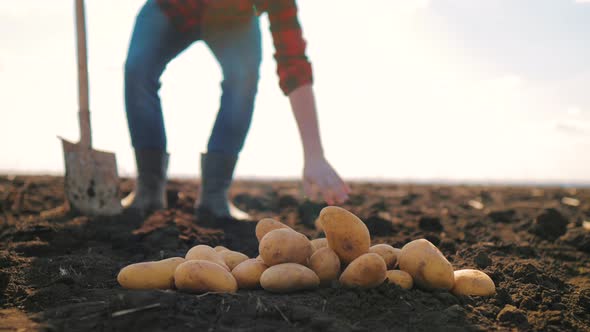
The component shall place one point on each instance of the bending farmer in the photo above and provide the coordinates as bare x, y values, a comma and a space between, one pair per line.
230, 28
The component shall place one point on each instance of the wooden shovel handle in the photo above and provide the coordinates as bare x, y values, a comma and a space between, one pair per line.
84, 111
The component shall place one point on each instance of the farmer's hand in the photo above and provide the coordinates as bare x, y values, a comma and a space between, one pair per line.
318, 175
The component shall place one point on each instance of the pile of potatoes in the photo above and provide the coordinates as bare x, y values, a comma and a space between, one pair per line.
290, 262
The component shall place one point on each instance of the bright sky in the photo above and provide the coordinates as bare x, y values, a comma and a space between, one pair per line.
442, 89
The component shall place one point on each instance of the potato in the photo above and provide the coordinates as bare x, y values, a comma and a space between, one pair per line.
233, 258
367, 271
206, 253
150, 275
473, 282
284, 246
427, 265
288, 277
220, 248
347, 235
326, 264
266, 225
400, 278
248, 273
388, 253
200, 276
318, 225
317, 244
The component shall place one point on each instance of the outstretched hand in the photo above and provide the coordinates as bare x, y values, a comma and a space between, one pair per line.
320, 176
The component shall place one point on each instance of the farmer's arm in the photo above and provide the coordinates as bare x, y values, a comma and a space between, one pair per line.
295, 76
317, 170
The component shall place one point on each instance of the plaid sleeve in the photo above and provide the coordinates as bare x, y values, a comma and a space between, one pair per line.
293, 67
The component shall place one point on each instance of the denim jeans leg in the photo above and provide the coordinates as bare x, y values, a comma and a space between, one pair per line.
154, 43
238, 51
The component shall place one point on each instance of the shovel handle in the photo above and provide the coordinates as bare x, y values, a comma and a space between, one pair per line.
84, 111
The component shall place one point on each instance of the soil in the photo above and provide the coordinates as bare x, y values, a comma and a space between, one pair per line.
58, 269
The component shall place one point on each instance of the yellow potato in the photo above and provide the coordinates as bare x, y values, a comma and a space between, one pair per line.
317, 244
427, 265
233, 258
206, 253
326, 264
200, 276
288, 277
266, 225
347, 235
220, 248
285, 246
367, 271
400, 278
318, 225
473, 282
388, 253
150, 275
248, 273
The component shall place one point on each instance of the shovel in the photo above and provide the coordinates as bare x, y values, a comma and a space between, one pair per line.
91, 180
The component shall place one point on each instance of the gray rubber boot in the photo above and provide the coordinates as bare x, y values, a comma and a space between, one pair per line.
150, 187
217, 172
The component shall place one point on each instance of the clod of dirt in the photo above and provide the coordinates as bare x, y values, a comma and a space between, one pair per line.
378, 226
433, 239
511, 314
527, 273
287, 201
550, 224
309, 212
482, 260
584, 299
408, 200
448, 247
505, 216
430, 224
578, 238
4, 279
528, 303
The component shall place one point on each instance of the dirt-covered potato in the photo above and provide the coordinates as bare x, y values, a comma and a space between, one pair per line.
288, 277
284, 246
427, 265
248, 273
150, 275
388, 253
266, 225
367, 271
347, 235
400, 278
233, 258
220, 248
473, 282
206, 253
200, 276
326, 264
317, 244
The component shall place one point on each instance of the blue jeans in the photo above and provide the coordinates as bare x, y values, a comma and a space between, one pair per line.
155, 42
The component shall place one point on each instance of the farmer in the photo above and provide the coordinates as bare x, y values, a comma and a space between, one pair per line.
230, 28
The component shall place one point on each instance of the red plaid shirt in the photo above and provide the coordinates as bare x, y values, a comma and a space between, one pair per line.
293, 67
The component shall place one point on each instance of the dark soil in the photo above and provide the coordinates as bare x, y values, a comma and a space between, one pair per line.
58, 270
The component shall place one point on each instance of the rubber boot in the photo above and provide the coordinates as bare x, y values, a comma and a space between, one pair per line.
216, 176
150, 187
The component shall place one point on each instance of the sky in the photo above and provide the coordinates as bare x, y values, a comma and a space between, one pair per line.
410, 90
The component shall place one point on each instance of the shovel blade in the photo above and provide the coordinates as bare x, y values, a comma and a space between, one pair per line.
91, 181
